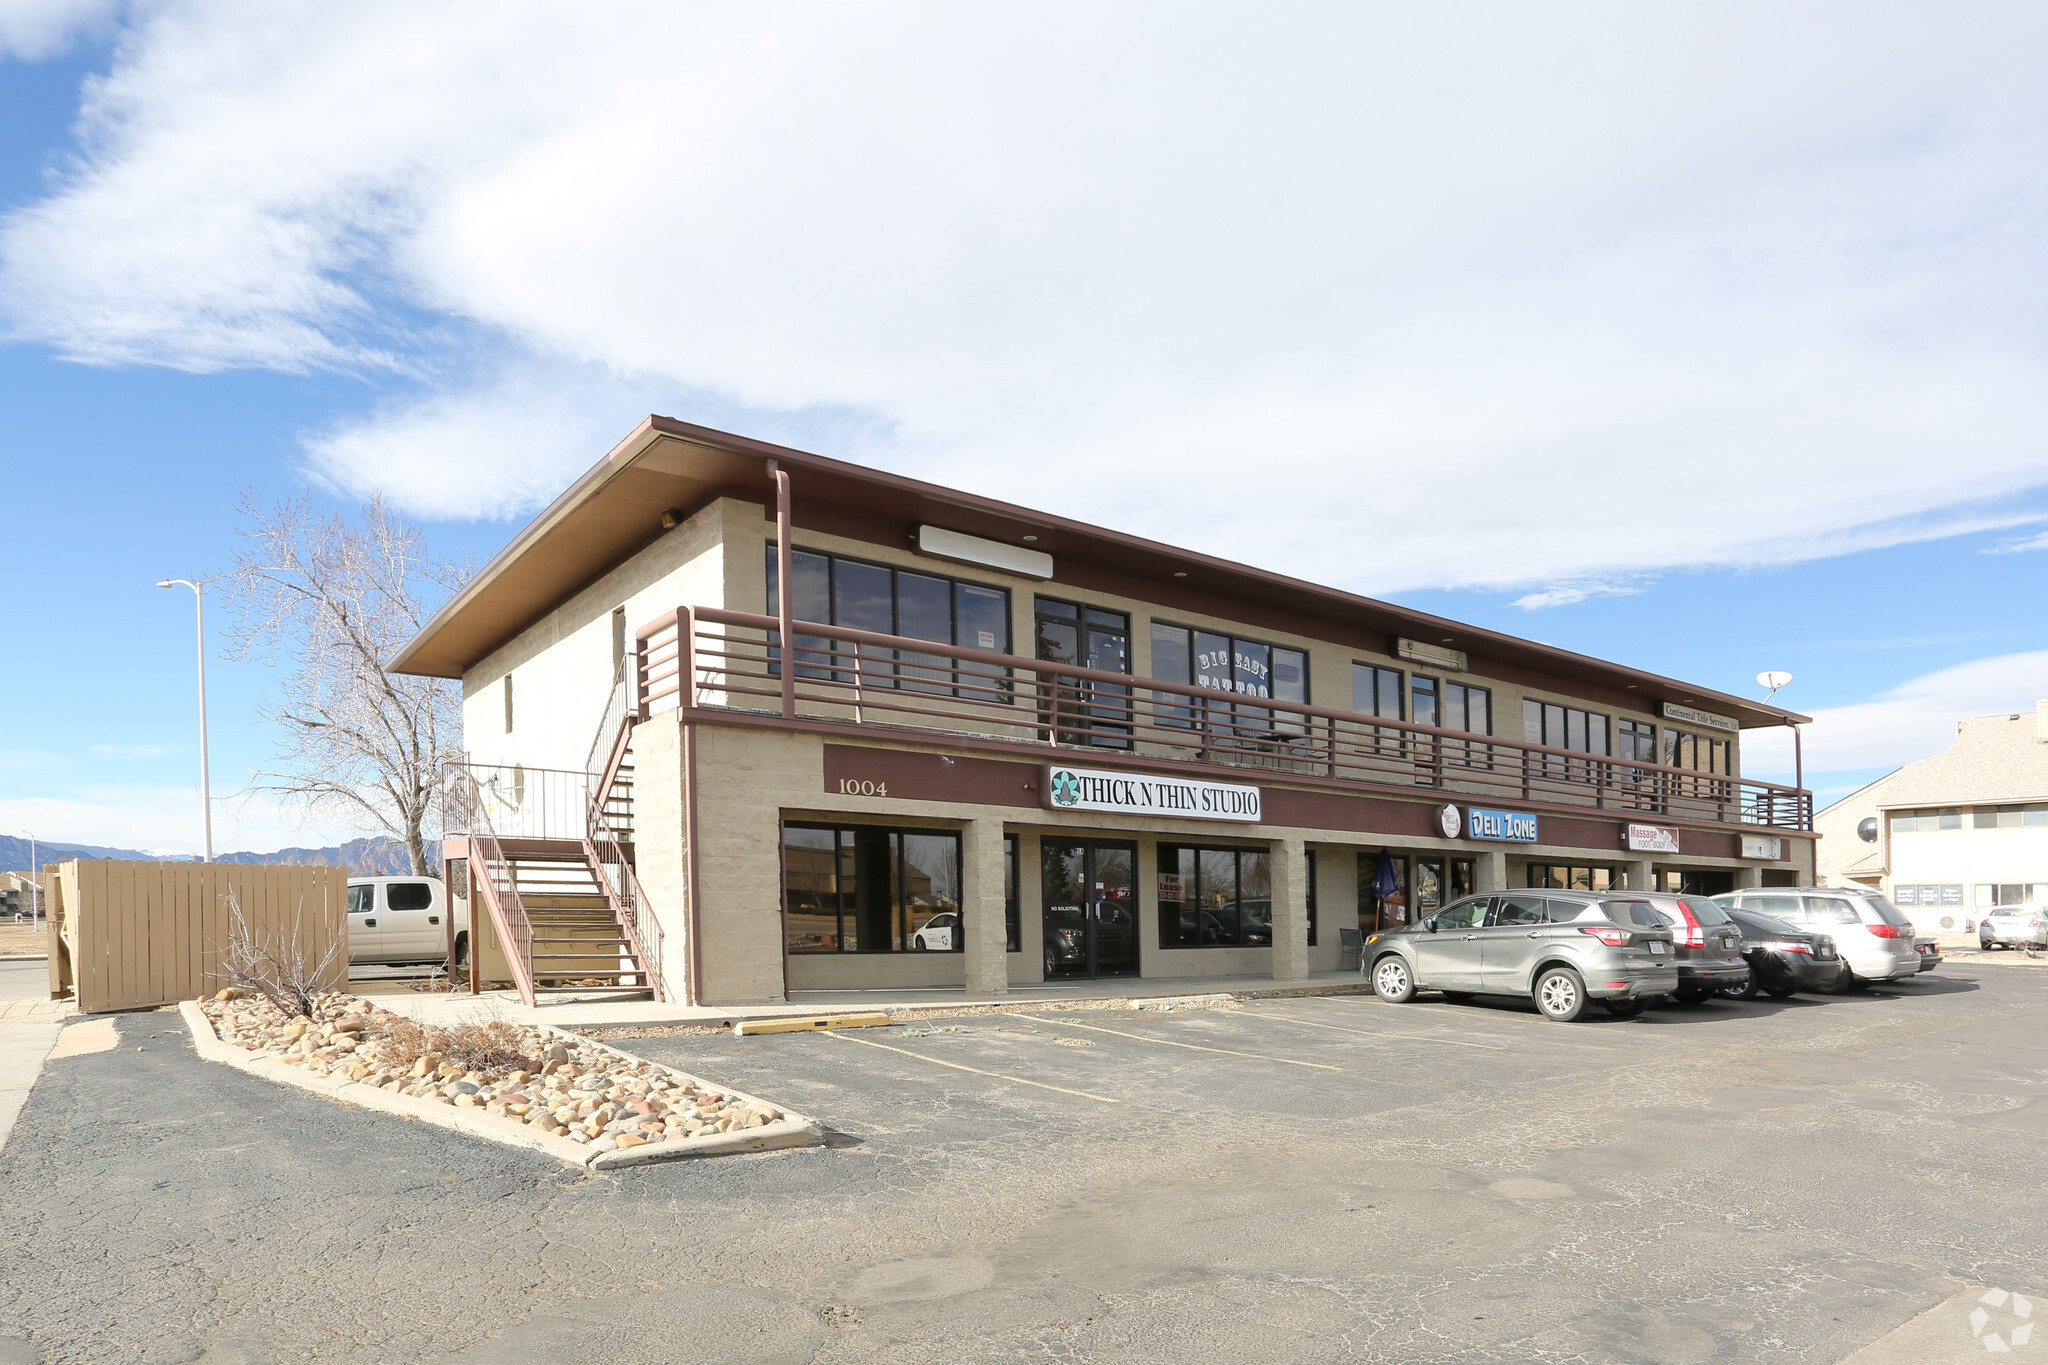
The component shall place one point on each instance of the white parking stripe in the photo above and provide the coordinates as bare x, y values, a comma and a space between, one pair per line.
1371, 1033
868, 1042
1197, 1047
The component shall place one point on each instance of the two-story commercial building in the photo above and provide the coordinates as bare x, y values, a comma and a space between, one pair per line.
842, 729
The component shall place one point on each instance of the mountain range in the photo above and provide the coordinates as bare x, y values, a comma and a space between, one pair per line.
362, 857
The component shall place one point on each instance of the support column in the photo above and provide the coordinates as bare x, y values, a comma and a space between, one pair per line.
1748, 876
1490, 870
1290, 910
982, 909
1641, 875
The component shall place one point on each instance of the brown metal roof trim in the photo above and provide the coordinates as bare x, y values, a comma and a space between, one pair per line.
614, 509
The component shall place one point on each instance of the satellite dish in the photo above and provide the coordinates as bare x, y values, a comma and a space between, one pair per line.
1773, 681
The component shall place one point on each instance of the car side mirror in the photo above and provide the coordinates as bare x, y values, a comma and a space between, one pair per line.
1429, 925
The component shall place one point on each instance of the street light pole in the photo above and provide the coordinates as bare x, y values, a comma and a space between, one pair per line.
205, 776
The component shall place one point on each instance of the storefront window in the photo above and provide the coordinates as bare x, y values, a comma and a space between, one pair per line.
1311, 898
1563, 727
866, 890
1939, 894
1215, 897
1227, 663
1011, 922
1560, 877
1701, 753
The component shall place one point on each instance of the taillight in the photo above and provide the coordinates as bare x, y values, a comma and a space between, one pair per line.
1790, 947
1885, 931
1612, 935
1694, 936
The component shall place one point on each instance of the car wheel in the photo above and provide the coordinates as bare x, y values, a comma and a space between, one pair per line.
1456, 997
1850, 982
461, 949
1391, 981
1693, 995
1746, 991
1560, 994
1623, 1009
1779, 992
917, 942
1048, 964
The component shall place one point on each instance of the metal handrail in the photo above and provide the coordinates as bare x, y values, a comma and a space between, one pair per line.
872, 679
498, 885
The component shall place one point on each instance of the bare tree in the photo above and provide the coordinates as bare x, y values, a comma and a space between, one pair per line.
279, 966
333, 600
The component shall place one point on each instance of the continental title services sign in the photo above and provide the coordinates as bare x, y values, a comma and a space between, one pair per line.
1094, 789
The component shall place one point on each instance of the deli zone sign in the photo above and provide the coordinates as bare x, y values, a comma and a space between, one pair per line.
1129, 794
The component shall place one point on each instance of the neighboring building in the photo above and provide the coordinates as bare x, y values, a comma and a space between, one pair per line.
1954, 835
1015, 746
17, 893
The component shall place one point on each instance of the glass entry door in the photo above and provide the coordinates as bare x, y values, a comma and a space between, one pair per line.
1087, 637
1091, 910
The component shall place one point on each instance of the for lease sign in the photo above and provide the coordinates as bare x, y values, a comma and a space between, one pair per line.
1136, 794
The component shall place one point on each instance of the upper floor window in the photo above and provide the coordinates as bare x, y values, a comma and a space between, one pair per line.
1701, 753
1925, 821
2008, 817
1563, 727
1451, 706
1636, 739
1376, 691
1228, 663
838, 591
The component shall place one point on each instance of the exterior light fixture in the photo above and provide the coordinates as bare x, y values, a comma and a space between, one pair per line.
670, 519
1031, 537
1180, 573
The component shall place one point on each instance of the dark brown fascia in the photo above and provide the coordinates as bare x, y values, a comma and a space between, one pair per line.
839, 497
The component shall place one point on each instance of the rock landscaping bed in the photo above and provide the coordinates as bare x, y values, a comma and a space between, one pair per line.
592, 1101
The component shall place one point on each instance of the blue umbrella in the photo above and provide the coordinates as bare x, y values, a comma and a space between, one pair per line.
1385, 881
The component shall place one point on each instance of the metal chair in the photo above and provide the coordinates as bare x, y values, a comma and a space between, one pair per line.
1350, 941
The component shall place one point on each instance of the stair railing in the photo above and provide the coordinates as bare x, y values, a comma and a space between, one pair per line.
602, 845
497, 885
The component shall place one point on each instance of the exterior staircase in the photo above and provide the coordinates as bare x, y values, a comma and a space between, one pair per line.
558, 882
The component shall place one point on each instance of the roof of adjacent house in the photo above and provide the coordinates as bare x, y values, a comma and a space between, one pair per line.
1994, 760
613, 511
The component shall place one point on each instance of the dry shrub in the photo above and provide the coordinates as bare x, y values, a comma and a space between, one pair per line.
479, 1045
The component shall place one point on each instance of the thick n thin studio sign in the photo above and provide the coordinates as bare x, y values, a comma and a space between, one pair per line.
1131, 794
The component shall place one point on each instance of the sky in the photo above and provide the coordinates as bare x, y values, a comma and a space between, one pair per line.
1709, 341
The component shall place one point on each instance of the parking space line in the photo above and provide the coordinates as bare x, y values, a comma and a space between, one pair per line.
869, 1042
1369, 1033
1197, 1047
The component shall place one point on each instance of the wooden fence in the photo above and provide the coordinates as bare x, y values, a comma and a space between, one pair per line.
127, 936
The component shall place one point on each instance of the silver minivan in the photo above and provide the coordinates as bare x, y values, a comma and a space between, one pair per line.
398, 920
1559, 949
1873, 936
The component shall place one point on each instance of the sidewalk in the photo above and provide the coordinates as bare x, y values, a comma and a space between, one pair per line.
571, 1011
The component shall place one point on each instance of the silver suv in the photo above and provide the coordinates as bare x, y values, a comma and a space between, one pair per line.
1873, 936
1558, 948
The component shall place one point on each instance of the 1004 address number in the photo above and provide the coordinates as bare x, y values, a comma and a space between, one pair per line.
859, 786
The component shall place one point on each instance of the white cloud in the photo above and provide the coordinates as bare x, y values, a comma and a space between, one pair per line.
1392, 298
34, 29
1908, 722
2036, 542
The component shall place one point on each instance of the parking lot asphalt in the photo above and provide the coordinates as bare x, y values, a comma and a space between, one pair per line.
1293, 1180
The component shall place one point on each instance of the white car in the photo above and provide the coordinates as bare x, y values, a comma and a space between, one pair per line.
937, 934
399, 920
2013, 926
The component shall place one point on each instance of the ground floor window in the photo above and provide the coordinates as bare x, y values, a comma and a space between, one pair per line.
1696, 881
1396, 888
1215, 897
1990, 895
1311, 898
858, 889
1011, 923
1560, 877
1931, 895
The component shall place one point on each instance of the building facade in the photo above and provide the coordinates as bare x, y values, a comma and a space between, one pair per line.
1955, 835
841, 729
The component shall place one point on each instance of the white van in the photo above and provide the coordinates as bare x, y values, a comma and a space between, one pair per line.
395, 920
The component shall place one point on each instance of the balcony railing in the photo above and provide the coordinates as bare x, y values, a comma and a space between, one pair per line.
709, 658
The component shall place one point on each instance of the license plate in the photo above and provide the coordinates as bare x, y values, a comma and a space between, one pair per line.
1658, 948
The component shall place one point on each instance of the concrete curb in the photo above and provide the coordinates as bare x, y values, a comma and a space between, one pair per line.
793, 1130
